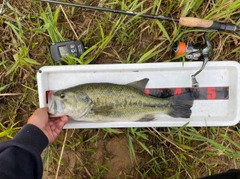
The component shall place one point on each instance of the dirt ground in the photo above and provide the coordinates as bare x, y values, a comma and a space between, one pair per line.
108, 158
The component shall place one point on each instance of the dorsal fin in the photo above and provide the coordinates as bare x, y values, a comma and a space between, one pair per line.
140, 85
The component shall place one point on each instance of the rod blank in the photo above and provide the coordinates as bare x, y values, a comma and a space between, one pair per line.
184, 21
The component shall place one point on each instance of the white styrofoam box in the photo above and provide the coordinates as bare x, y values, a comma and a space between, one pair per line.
161, 75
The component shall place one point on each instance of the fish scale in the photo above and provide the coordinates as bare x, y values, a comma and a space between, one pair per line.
104, 102
124, 96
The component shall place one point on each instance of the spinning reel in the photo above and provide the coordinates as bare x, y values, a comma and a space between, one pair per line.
194, 52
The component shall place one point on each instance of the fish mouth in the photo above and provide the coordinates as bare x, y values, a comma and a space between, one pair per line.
54, 106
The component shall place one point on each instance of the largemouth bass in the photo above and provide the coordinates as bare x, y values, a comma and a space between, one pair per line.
105, 102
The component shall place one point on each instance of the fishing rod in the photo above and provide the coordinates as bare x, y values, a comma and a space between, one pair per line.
184, 21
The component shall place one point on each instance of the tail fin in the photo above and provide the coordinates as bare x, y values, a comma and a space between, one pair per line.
181, 105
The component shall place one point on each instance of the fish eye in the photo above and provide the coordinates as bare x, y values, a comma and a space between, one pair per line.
62, 95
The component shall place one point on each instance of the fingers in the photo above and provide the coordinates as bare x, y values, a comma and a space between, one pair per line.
51, 127
45, 109
58, 123
56, 127
64, 119
41, 110
39, 117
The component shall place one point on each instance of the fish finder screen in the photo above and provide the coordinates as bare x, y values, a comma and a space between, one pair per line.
63, 51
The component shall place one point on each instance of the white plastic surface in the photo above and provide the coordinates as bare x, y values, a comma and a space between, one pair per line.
161, 75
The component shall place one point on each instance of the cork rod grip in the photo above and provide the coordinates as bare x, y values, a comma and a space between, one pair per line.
195, 22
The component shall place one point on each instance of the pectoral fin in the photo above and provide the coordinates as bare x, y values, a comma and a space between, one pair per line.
146, 118
102, 110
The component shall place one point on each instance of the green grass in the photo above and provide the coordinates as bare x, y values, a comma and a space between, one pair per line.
183, 152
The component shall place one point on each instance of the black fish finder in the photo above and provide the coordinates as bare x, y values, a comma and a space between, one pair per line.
61, 49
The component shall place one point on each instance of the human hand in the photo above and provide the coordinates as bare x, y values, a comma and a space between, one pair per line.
51, 127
